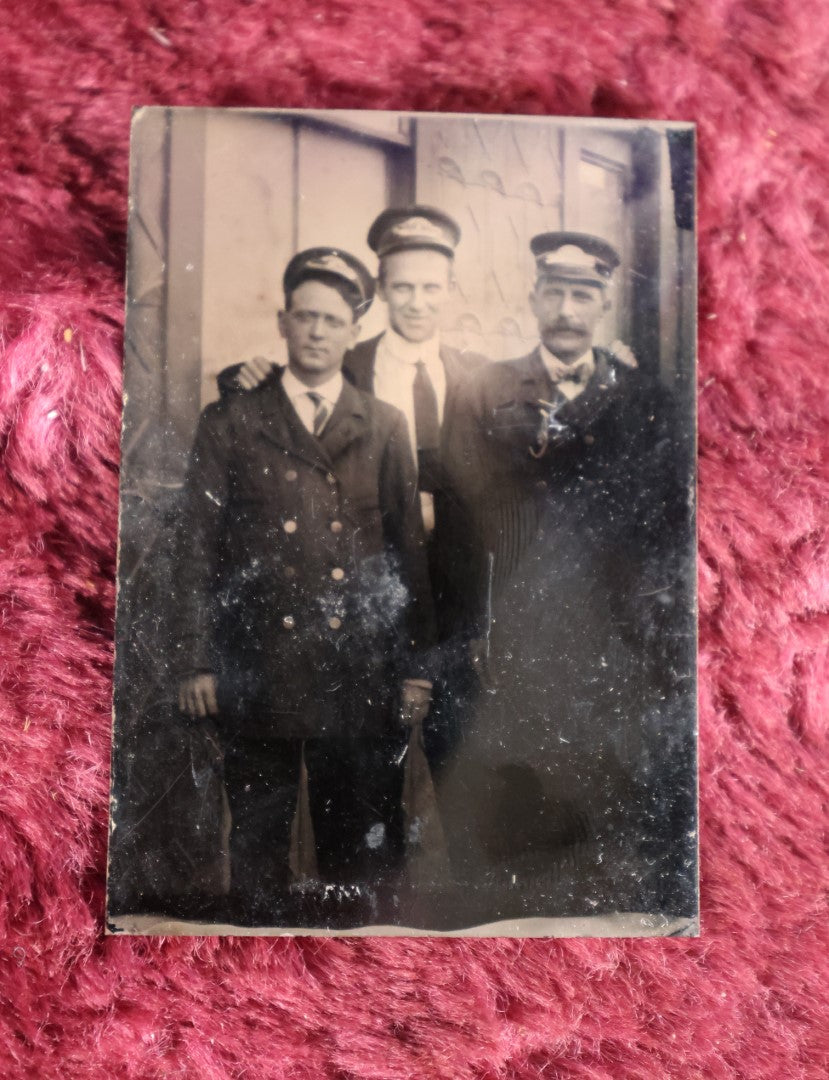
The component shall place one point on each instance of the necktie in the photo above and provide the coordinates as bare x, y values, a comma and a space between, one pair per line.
321, 411
427, 429
574, 377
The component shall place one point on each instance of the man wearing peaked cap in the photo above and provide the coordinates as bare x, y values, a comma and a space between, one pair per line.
410, 366
303, 597
397, 229
578, 504
574, 255
525, 417
340, 267
521, 410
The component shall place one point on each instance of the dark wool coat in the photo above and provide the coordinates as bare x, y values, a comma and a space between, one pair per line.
586, 571
451, 551
606, 490
302, 578
450, 547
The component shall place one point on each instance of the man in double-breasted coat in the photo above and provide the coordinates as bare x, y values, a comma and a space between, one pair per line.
303, 594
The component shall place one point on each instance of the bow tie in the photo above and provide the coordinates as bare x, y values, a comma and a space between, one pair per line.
578, 373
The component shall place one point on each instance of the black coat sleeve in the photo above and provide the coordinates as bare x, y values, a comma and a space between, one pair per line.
198, 542
228, 380
405, 541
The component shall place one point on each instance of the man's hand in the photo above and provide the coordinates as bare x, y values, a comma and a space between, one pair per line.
253, 372
624, 354
415, 699
197, 695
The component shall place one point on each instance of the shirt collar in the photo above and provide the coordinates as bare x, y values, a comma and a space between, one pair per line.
579, 371
409, 352
330, 390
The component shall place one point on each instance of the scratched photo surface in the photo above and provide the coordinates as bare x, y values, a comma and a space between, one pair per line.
406, 629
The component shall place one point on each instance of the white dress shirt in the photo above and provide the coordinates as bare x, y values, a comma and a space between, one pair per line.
571, 378
395, 367
298, 392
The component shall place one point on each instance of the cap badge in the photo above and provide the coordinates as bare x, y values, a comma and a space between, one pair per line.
334, 265
573, 258
418, 227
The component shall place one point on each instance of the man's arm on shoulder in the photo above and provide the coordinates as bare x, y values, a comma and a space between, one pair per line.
245, 376
252, 373
465, 360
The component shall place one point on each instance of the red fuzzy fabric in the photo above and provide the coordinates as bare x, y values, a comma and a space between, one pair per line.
749, 998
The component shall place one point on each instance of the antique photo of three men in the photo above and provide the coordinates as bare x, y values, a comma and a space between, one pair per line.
406, 614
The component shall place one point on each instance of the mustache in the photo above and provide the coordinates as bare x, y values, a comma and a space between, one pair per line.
565, 324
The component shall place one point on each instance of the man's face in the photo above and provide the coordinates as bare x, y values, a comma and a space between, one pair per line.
568, 313
416, 285
318, 328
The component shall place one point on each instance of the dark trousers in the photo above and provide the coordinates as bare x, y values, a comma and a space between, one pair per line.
354, 788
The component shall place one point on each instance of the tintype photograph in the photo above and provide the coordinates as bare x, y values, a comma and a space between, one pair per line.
406, 628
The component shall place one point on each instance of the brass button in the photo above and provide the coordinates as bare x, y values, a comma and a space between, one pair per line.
335, 623
289, 622
338, 573
336, 526
290, 526
331, 478
589, 440
291, 475
290, 571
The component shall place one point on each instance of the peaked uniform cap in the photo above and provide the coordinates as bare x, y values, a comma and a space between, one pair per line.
401, 228
329, 262
574, 256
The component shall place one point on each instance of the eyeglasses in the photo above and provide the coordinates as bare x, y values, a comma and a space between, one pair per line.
308, 318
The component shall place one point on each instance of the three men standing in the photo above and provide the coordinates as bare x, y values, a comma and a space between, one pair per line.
520, 503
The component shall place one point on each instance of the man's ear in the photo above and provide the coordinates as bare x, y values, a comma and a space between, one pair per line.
607, 304
380, 288
355, 333
533, 303
281, 316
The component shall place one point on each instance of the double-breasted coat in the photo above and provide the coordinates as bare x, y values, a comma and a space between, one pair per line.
450, 545
302, 579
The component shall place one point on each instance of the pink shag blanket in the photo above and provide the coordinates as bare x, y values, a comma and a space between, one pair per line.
749, 998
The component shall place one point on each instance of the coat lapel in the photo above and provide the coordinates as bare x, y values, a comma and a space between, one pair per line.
279, 424
453, 368
450, 367
349, 421
358, 366
535, 381
601, 390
